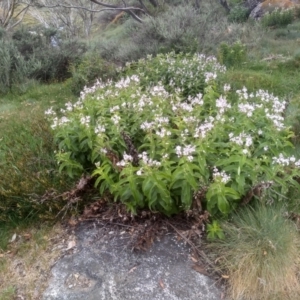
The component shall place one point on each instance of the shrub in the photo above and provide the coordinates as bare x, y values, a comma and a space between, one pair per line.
239, 14
175, 71
153, 148
14, 68
53, 55
278, 18
260, 254
232, 55
90, 68
180, 29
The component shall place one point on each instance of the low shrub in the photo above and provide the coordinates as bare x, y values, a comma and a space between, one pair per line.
153, 148
186, 72
14, 68
232, 55
239, 14
180, 29
260, 254
91, 67
278, 17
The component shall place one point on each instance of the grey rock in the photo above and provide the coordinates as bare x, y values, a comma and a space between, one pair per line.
102, 267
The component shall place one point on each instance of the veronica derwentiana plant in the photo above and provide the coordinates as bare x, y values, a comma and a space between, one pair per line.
155, 145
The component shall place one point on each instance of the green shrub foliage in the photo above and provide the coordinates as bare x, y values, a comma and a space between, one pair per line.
158, 147
184, 72
278, 17
239, 14
39, 55
232, 55
91, 67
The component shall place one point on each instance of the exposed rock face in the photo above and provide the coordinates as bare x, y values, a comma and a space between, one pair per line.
251, 4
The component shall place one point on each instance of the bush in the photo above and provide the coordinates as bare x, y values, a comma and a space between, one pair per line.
239, 14
175, 71
14, 68
278, 17
260, 255
91, 67
153, 148
53, 55
179, 29
232, 55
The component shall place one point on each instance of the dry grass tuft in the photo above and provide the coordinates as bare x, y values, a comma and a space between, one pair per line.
260, 255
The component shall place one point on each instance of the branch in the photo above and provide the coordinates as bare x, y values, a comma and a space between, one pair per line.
128, 10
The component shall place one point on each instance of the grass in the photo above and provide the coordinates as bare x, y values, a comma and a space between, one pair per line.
28, 166
26, 263
260, 254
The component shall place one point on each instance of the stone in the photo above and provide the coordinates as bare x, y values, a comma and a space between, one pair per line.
102, 267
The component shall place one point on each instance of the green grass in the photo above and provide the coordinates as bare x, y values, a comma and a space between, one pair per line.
27, 164
8, 293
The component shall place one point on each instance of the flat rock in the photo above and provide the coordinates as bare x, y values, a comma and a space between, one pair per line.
103, 267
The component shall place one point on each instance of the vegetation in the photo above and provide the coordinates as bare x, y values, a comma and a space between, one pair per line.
260, 254
157, 123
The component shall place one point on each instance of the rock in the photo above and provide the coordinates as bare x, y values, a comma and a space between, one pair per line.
102, 267
271, 5
251, 4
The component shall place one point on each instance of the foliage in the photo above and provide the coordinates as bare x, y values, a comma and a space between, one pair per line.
232, 55
45, 47
150, 147
260, 254
27, 159
91, 67
239, 14
183, 71
278, 17
180, 28
14, 68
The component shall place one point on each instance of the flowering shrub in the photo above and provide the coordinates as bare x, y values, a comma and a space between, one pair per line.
150, 147
189, 73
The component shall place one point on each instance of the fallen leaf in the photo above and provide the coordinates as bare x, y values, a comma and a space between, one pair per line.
71, 245
225, 276
1, 255
194, 259
161, 283
14, 237
200, 269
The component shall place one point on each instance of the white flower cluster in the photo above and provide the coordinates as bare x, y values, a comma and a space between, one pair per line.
148, 161
125, 161
85, 120
186, 151
59, 122
99, 129
242, 139
220, 176
286, 161
204, 128
222, 104
273, 107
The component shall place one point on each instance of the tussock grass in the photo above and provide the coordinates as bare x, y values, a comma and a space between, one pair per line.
260, 255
